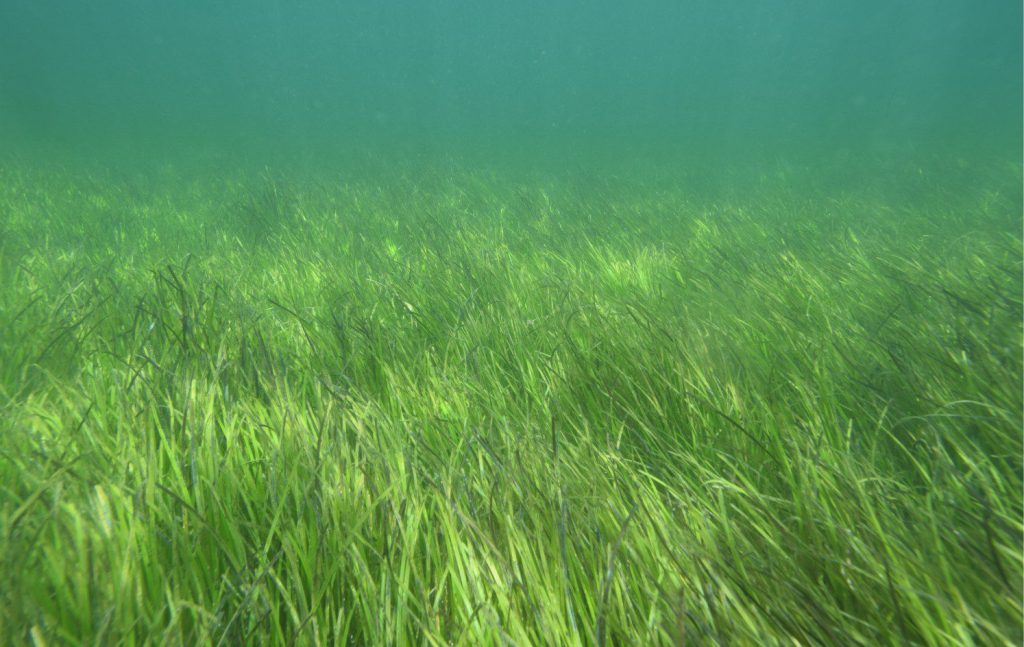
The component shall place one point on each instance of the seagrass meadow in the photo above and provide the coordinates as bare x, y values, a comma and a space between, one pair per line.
448, 406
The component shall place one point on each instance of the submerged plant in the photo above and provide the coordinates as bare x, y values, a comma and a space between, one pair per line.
478, 412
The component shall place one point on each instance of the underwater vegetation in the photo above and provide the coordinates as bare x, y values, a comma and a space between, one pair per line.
458, 408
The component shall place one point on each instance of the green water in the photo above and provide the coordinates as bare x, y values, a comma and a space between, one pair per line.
534, 84
524, 323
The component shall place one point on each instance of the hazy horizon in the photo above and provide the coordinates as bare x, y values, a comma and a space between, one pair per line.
530, 83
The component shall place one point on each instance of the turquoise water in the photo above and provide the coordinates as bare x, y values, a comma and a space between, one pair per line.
526, 84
